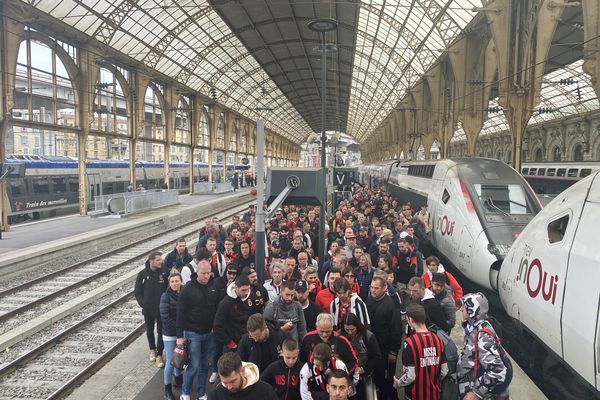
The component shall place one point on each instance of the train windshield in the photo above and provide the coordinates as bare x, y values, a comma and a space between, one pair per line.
503, 199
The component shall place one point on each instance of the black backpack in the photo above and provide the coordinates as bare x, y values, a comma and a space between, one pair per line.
478, 371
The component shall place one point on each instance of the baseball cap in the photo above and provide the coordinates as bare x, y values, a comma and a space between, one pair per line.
275, 243
403, 234
301, 285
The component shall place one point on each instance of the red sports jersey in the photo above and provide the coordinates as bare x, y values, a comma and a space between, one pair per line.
424, 351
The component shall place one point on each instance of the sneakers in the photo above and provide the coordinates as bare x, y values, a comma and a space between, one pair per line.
159, 362
213, 377
152, 356
184, 397
204, 397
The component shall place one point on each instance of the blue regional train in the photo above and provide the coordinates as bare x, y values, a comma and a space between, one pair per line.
47, 186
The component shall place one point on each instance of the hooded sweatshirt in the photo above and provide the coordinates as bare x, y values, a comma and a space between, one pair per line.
285, 380
231, 317
476, 305
434, 311
253, 388
278, 314
149, 286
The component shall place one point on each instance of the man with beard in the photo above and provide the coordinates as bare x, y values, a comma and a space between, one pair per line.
240, 381
285, 314
178, 257
261, 344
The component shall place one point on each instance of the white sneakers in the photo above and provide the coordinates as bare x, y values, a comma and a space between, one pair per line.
205, 397
184, 397
152, 356
213, 377
159, 362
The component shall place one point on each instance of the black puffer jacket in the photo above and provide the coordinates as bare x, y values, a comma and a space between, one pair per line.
176, 260
168, 312
149, 286
231, 317
196, 307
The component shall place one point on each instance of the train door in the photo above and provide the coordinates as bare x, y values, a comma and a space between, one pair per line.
580, 324
94, 185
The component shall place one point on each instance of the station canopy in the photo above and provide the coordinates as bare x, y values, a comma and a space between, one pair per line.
261, 53
566, 92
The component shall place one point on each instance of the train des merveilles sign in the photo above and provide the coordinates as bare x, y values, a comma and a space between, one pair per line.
25, 206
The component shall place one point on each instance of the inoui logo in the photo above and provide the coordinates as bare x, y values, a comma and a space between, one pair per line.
536, 279
447, 226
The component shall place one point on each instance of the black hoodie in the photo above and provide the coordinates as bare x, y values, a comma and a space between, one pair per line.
253, 389
149, 286
285, 380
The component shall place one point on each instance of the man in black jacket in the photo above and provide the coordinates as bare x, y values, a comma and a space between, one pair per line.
150, 284
233, 313
433, 310
196, 310
261, 344
386, 325
240, 381
179, 257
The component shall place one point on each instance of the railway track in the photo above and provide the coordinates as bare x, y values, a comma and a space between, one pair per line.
33, 298
52, 360
61, 362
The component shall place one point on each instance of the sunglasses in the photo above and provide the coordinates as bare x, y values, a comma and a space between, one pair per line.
349, 276
231, 273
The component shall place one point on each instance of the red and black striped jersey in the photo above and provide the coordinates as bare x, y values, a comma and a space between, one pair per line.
425, 352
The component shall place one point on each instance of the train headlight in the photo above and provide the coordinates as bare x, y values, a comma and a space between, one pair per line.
498, 250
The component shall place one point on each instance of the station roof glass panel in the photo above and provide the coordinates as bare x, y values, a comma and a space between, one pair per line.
258, 53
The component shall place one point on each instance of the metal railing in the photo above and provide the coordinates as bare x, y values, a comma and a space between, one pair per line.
212, 187
133, 202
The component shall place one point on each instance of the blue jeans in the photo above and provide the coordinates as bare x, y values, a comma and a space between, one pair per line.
169, 369
201, 348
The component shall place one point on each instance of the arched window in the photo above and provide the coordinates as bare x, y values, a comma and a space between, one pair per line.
203, 132
220, 142
244, 140
154, 127
233, 138
556, 154
183, 120
578, 153
538, 156
499, 155
43, 96
508, 158
110, 106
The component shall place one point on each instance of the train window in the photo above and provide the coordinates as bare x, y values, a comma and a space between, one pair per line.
557, 229
502, 199
40, 185
561, 172
585, 172
73, 184
572, 173
533, 171
17, 187
59, 185
445, 196
551, 172
525, 171
541, 171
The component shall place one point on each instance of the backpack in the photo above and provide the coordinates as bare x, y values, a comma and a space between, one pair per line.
478, 372
450, 351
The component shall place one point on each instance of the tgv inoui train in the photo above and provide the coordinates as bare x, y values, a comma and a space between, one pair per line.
478, 207
549, 282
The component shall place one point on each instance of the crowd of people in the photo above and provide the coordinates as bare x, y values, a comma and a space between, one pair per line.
372, 318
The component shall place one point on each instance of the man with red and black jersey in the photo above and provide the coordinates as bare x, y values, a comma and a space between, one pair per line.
423, 360
406, 264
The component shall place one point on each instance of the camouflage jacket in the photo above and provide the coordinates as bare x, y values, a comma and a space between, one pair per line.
489, 357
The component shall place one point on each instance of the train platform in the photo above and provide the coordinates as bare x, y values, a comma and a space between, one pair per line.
130, 376
23, 243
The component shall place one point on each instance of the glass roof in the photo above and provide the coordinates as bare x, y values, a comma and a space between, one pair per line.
560, 97
188, 41
397, 41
